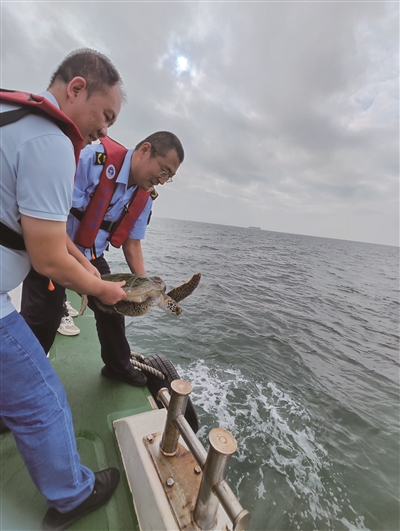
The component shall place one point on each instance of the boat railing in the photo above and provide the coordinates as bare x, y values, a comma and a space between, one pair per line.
214, 489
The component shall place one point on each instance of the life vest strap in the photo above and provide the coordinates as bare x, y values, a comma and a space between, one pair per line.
105, 225
9, 117
11, 239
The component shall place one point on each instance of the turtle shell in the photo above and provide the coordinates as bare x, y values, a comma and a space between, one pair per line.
138, 288
143, 292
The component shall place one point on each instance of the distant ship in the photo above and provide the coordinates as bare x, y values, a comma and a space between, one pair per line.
255, 228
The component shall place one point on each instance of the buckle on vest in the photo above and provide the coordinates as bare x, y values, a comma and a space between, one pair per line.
34, 97
111, 225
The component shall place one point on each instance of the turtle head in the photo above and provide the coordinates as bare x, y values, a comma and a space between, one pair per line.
169, 305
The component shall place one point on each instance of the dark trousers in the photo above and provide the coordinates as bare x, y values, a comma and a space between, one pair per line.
42, 310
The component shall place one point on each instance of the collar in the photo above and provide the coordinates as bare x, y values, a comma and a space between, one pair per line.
49, 96
123, 175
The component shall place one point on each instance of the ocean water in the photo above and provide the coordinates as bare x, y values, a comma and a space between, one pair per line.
292, 344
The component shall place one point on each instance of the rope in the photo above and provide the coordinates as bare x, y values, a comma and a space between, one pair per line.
144, 366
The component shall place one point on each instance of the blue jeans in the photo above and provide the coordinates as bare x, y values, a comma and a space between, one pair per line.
34, 406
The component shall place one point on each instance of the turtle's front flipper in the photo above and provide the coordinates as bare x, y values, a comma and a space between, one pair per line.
169, 305
184, 290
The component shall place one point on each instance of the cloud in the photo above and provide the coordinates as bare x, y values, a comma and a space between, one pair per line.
288, 112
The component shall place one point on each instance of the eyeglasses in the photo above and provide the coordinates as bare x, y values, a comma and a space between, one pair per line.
163, 174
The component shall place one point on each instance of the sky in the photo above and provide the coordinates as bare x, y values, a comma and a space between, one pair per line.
288, 111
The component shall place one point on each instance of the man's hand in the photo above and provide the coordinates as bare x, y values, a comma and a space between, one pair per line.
112, 292
46, 243
91, 269
81, 258
134, 256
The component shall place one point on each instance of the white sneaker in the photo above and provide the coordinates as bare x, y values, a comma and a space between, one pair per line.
67, 327
72, 312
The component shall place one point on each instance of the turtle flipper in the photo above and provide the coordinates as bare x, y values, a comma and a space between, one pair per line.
169, 305
184, 290
84, 304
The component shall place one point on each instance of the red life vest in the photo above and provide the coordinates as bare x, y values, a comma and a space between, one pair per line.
33, 101
112, 160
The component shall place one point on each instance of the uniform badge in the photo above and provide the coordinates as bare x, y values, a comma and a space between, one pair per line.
153, 194
110, 171
100, 158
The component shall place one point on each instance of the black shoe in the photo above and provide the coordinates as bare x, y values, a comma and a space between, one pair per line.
133, 377
3, 427
105, 484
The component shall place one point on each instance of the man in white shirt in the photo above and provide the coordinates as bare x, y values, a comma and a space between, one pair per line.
38, 166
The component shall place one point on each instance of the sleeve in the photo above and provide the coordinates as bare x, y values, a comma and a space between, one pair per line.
45, 168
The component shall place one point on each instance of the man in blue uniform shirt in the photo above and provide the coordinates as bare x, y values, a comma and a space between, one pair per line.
38, 167
154, 161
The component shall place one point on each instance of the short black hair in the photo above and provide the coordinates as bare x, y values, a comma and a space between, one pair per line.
97, 70
162, 143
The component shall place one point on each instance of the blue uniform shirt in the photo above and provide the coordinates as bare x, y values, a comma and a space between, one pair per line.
87, 178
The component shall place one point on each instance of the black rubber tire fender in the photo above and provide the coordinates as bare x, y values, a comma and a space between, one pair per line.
154, 384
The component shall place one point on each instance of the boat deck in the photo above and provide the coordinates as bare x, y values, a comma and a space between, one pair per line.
95, 402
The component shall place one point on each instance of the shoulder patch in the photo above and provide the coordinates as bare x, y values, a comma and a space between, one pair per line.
153, 194
100, 158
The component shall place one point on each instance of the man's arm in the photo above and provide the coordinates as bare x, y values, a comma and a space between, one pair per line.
134, 256
46, 244
81, 258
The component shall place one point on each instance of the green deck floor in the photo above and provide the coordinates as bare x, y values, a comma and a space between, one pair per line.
95, 402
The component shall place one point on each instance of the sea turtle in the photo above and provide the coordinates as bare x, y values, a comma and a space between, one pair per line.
143, 292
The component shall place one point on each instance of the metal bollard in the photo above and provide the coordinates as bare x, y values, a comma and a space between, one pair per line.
177, 406
222, 446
